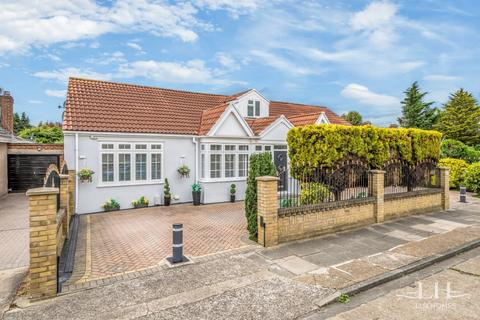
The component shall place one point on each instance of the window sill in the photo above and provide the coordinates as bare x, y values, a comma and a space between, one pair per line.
135, 183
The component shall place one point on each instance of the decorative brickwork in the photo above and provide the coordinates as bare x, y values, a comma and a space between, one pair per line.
445, 186
287, 224
64, 202
42, 281
267, 207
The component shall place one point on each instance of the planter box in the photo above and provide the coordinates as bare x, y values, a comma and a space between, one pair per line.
111, 209
140, 206
196, 197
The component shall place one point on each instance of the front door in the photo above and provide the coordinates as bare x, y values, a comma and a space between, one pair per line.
280, 161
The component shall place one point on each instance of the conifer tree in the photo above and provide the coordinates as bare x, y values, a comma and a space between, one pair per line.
416, 113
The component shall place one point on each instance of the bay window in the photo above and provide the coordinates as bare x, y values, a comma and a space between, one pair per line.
131, 163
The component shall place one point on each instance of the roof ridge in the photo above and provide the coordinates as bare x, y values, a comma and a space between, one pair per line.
300, 104
305, 114
151, 87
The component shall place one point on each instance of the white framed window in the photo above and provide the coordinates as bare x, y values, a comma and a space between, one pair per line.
124, 167
230, 165
107, 167
253, 108
124, 163
156, 166
215, 166
242, 164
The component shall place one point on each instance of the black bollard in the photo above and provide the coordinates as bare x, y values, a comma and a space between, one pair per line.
177, 243
463, 194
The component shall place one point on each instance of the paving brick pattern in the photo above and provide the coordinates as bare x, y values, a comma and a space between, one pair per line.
13, 231
125, 241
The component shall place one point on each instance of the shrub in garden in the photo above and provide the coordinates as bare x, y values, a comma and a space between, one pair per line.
457, 170
261, 164
313, 193
322, 146
111, 205
456, 149
142, 202
472, 178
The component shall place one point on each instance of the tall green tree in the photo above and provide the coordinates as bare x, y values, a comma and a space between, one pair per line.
416, 113
460, 118
43, 134
20, 122
354, 117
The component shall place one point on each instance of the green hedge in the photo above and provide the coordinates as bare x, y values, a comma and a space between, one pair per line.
457, 167
472, 178
456, 149
261, 164
323, 145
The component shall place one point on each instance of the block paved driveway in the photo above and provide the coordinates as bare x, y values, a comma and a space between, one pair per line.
124, 241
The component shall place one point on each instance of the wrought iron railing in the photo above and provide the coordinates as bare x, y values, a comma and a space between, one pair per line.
401, 177
346, 181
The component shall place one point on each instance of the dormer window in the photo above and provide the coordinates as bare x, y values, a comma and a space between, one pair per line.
253, 108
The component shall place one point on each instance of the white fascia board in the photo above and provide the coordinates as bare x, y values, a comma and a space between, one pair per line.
231, 110
123, 134
248, 92
281, 119
321, 117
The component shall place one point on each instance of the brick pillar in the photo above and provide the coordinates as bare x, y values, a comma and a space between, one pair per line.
71, 191
444, 184
376, 187
267, 209
64, 203
42, 280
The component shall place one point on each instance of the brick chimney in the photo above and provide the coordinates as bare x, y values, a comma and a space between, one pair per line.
6, 111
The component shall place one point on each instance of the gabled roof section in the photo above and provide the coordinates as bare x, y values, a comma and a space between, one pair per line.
294, 109
230, 110
259, 124
210, 117
279, 120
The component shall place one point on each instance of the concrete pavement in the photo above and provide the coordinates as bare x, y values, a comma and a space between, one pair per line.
13, 245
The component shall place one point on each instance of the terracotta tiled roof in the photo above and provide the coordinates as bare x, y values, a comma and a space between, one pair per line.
103, 106
210, 117
304, 119
292, 109
259, 124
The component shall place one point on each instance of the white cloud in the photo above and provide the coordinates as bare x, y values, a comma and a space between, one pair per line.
25, 24
281, 63
4, 65
234, 7
35, 101
441, 77
227, 61
377, 22
56, 93
62, 75
364, 96
135, 46
108, 58
193, 71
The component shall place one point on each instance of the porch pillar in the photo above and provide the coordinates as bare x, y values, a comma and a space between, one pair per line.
376, 188
42, 278
444, 184
267, 211
71, 191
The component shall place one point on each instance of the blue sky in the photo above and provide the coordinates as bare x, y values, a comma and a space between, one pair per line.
348, 55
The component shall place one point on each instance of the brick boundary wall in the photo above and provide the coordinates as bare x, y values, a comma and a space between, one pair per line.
277, 226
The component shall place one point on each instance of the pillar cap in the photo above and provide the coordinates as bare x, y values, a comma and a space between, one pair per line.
42, 191
267, 178
443, 168
64, 176
377, 171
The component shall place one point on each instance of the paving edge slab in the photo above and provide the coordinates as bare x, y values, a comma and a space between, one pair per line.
397, 273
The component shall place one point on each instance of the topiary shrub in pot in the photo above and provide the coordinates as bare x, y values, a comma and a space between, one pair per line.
167, 196
140, 203
111, 205
196, 193
233, 190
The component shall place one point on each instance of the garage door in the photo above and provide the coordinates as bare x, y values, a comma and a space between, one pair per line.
28, 171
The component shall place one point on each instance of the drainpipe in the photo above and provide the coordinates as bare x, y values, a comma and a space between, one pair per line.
195, 142
76, 171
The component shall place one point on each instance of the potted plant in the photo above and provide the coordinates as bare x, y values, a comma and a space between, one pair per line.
140, 203
196, 192
85, 175
233, 190
111, 205
167, 196
184, 171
